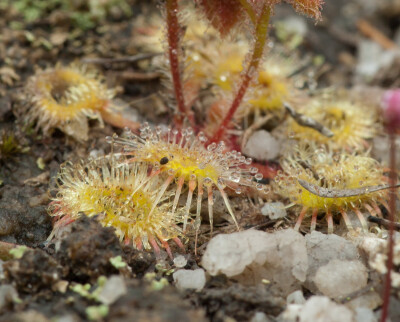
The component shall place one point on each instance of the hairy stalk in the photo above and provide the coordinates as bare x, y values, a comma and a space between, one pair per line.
261, 39
249, 10
173, 35
392, 206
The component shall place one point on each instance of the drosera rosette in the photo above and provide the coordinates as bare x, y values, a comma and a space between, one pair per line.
275, 82
208, 75
222, 63
212, 68
124, 197
66, 98
323, 169
184, 158
352, 122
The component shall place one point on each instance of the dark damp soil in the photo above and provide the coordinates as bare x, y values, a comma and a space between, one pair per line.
44, 277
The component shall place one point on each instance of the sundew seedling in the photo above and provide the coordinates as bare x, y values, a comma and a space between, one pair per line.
123, 196
351, 122
323, 170
65, 98
183, 157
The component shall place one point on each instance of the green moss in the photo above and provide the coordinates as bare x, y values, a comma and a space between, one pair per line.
117, 262
97, 312
18, 252
9, 145
82, 13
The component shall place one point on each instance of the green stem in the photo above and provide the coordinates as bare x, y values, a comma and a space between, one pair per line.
258, 50
249, 10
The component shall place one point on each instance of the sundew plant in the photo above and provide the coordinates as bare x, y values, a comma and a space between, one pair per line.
227, 16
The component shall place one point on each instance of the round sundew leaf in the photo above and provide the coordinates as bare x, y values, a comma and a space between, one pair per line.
310, 8
222, 14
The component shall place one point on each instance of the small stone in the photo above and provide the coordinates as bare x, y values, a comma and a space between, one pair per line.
291, 313
340, 278
296, 24
29, 316
252, 257
370, 300
296, 297
274, 210
372, 57
322, 309
68, 318
180, 261
369, 246
322, 248
262, 146
113, 289
7, 295
39, 200
260, 317
230, 254
60, 286
190, 279
378, 260
58, 38
364, 314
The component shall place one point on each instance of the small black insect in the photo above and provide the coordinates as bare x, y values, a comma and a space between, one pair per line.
164, 160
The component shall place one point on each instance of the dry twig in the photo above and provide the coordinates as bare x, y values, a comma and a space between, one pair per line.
127, 59
308, 121
335, 193
371, 32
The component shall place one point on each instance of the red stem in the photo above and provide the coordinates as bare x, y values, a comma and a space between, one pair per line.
261, 38
173, 35
392, 206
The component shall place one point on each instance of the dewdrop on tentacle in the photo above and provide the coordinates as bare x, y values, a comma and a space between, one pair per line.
183, 157
331, 171
65, 98
125, 197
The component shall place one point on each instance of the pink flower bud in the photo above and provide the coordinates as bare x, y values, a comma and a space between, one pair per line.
391, 109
